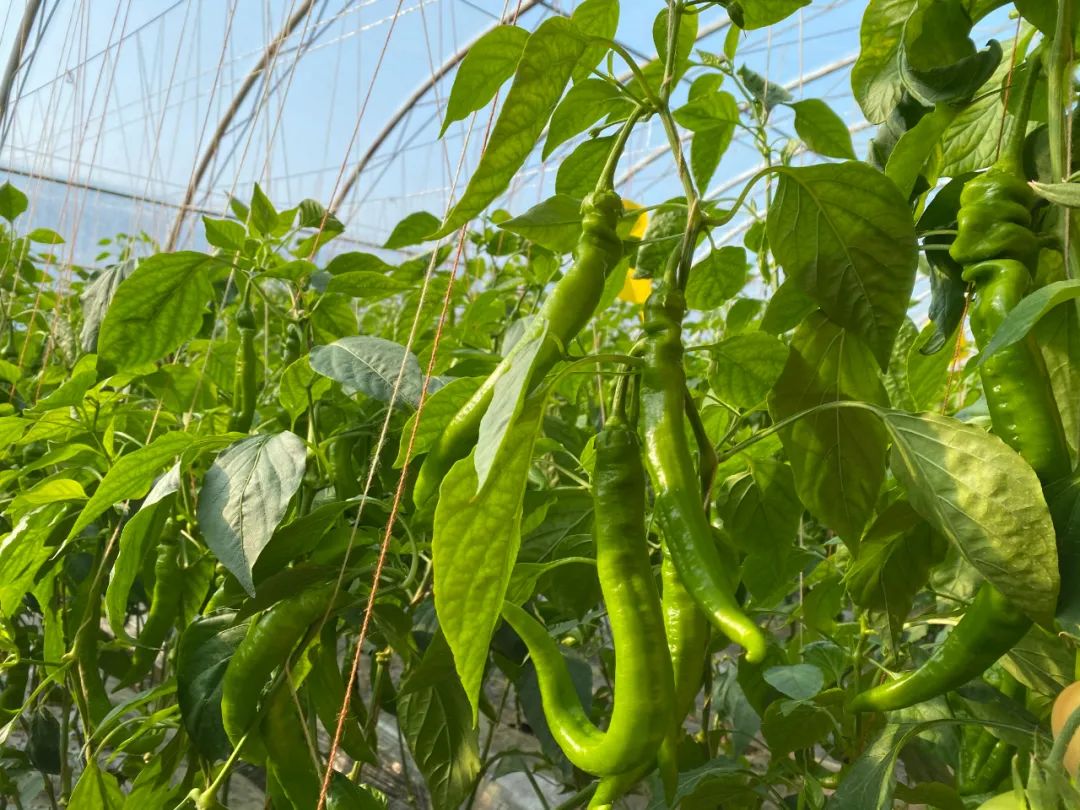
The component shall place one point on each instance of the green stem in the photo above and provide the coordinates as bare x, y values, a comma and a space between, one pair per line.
607, 176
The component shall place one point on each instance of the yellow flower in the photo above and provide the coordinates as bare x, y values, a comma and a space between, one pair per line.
636, 290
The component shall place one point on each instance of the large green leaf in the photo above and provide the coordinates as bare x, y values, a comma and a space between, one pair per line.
542, 74
554, 223
837, 455
843, 232
475, 544
490, 62
977, 491
587, 102
875, 77
12, 202
137, 537
23, 551
372, 366
155, 309
96, 790
206, 647
244, 497
435, 719
507, 401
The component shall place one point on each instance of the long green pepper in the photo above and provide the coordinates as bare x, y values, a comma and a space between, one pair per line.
644, 684
564, 313
245, 392
999, 254
267, 645
165, 603
679, 508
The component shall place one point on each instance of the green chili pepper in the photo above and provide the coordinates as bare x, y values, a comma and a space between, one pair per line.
564, 313
346, 482
995, 245
294, 344
990, 627
678, 506
165, 603
984, 759
326, 685
245, 391
644, 686
266, 646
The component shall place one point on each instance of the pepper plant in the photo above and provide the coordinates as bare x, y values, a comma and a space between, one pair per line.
595, 493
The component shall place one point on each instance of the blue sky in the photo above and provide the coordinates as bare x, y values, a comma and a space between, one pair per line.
124, 93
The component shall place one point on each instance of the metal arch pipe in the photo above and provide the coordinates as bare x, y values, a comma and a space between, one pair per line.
417, 94
22, 36
223, 125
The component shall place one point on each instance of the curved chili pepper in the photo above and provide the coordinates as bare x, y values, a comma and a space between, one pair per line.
266, 646
678, 506
164, 608
644, 684
564, 313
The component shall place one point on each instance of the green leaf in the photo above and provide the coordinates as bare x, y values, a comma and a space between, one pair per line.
837, 455
976, 490
205, 649
843, 232
913, 150
139, 534
12, 202
372, 366
579, 171
507, 401
1023, 317
893, 563
971, 142
299, 382
244, 497
96, 299
354, 262
801, 726
474, 546
875, 77
226, 234
684, 44
952, 83
439, 409
545, 67
870, 783
412, 230
491, 60
717, 278
434, 715
1066, 194
786, 309
765, 92
23, 551
554, 223
746, 367
707, 148
797, 681
264, 217
96, 790
132, 476
822, 130
594, 18
366, 284
587, 102
51, 490
705, 112
45, 236
753, 14
155, 309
